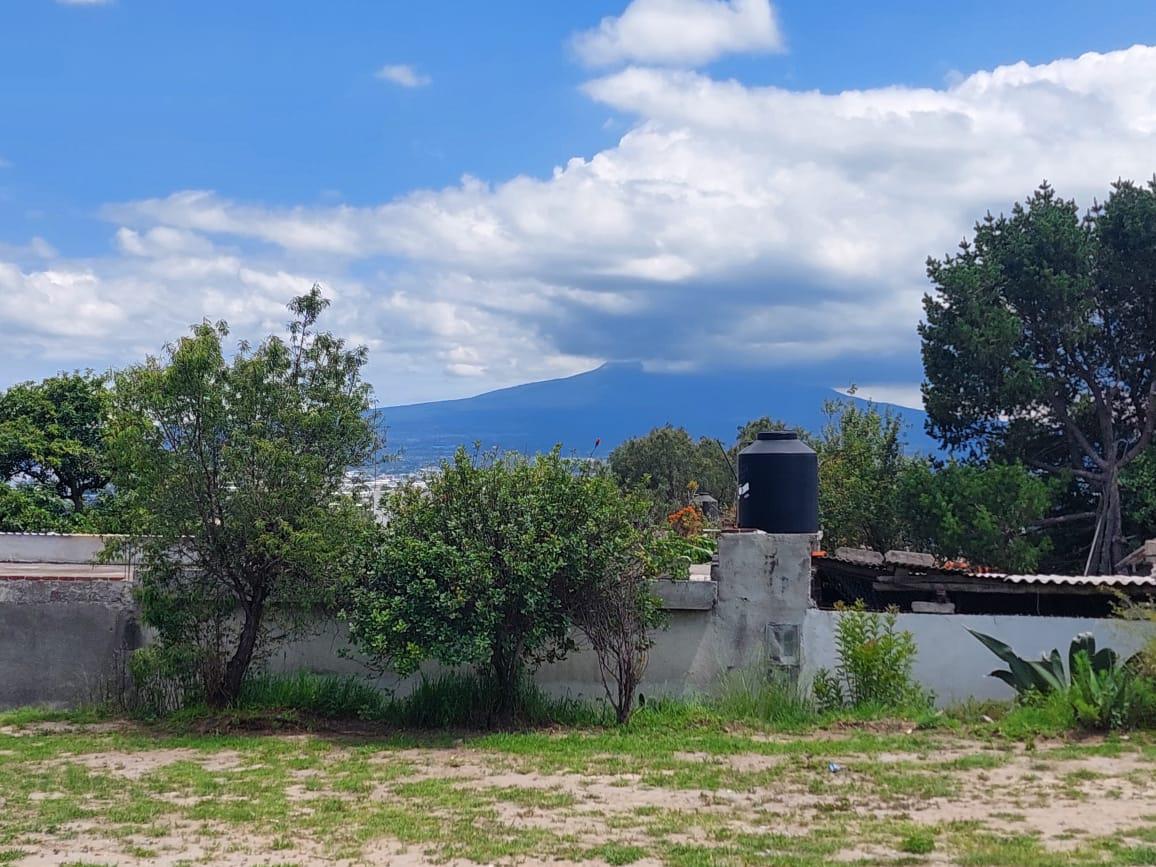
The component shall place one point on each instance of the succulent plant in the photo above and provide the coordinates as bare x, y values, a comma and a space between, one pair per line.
1047, 674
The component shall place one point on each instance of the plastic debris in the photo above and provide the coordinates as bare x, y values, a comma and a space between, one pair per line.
834, 767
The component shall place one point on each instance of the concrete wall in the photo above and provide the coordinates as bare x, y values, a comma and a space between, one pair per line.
74, 548
762, 580
60, 638
954, 665
65, 624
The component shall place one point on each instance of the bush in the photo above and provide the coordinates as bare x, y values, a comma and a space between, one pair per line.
875, 664
491, 564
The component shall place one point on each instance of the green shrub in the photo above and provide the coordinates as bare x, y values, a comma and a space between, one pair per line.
875, 664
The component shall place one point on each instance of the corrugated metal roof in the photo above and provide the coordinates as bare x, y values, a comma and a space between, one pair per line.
1080, 580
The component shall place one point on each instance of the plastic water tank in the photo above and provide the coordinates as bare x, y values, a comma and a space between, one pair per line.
779, 484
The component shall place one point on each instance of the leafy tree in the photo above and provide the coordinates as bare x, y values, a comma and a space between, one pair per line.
980, 513
1038, 344
52, 442
861, 460
1138, 481
488, 565
238, 467
672, 466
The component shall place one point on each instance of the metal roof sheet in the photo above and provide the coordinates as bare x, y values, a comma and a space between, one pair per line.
1081, 580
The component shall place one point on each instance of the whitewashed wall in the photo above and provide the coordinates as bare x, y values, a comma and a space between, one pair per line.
954, 665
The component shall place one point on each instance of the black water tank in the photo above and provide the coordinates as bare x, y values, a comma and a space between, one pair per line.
779, 484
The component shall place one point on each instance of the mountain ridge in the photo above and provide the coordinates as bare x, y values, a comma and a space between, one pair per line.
609, 404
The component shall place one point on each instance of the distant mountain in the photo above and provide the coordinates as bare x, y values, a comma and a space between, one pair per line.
612, 403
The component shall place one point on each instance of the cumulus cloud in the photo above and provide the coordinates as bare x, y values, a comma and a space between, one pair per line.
680, 32
404, 75
729, 223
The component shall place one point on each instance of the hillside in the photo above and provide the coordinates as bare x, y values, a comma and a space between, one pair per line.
612, 403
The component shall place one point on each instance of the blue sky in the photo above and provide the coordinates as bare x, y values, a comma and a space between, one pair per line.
546, 185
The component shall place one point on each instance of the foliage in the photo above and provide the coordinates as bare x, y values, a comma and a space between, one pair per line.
686, 522
1037, 343
487, 563
237, 468
325, 696
977, 512
875, 663
861, 462
1138, 488
670, 555
52, 455
1046, 674
1102, 697
672, 467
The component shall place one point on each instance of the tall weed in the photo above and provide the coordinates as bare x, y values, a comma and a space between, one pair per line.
875, 664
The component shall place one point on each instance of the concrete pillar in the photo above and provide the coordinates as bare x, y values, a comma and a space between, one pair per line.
764, 590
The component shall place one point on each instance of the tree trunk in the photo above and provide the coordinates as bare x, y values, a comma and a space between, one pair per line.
506, 668
1108, 547
228, 689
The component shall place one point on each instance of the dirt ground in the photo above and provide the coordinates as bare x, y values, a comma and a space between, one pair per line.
77, 796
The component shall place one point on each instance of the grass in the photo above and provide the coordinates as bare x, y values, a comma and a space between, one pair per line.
753, 775
681, 785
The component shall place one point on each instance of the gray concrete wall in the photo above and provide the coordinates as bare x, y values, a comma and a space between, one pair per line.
49, 548
954, 665
713, 626
60, 640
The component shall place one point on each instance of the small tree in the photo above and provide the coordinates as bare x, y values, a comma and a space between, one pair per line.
487, 565
238, 469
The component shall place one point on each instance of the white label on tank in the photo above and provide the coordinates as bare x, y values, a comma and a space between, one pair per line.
744, 489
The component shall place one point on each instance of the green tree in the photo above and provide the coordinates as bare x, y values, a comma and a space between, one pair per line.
672, 466
985, 514
238, 467
861, 460
52, 443
488, 564
1038, 340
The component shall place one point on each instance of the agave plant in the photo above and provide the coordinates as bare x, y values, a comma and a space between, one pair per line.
1047, 674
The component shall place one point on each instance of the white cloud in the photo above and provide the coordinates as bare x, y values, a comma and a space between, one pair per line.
404, 75
680, 32
906, 394
729, 222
